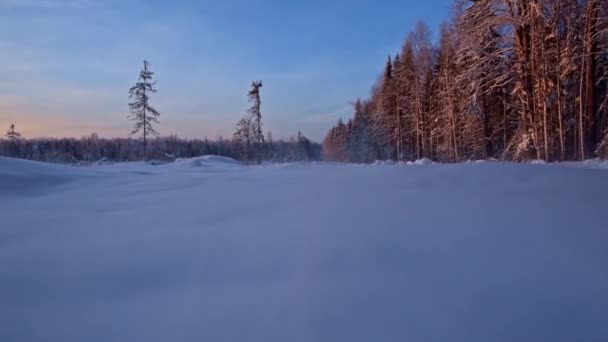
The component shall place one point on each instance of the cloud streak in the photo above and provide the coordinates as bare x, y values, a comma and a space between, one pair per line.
50, 4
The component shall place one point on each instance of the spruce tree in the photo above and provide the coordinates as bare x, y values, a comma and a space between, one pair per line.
142, 113
13, 137
256, 114
12, 134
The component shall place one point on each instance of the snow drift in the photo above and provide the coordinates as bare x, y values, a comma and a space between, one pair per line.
323, 252
23, 177
209, 161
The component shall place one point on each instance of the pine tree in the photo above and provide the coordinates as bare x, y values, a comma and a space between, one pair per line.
256, 113
142, 113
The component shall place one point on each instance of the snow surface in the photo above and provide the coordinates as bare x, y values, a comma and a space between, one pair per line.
208, 250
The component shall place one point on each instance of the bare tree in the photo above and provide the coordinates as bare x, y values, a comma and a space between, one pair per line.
590, 123
449, 122
423, 62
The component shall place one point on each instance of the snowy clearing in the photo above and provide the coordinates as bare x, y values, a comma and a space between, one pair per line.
208, 250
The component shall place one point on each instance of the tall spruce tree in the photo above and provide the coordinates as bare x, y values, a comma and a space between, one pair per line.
256, 114
142, 113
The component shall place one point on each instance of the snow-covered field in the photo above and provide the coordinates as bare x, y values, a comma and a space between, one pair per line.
208, 250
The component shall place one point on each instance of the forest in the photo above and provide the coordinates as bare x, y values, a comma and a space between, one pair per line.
510, 80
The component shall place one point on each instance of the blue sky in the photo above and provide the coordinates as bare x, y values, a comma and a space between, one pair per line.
66, 65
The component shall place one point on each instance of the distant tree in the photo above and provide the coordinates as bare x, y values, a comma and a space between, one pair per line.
341, 142
256, 113
142, 113
384, 128
208, 149
305, 147
243, 136
360, 147
270, 144
13, 141
12, 135
172, 145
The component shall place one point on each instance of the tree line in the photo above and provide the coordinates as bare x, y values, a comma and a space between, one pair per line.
508, 79
248, 143
94, 149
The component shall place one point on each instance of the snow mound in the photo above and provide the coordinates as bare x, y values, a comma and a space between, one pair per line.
596, 164
423, 161
155, 162
481, 161
102, 161
383, 162
24, 177
589, 164
208, 161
